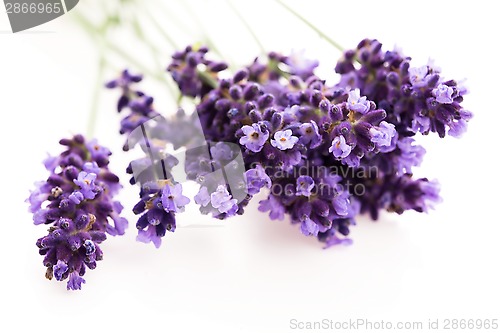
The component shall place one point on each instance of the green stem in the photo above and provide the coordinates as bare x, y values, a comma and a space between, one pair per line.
247, 26
201, 27
312, 26
95, 98
162, 32
207, 79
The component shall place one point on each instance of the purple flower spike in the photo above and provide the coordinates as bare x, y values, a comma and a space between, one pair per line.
357, 103
254, 138
79, 219
172, 198
284, 140
305, 184
339, 147
443, 94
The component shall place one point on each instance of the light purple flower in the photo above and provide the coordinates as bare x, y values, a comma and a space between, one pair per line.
51, 162
457, 128
305, 184
254, 138
203, 197
383, 135
76, 197
172, 198
418, 75
38, 196
91, 167
59, 269
310, 134
339, 147
421, 124
222, 200
341, 203
284, 140
221, 151
97, 151
308, 227
357, 103
410, 155
149, 235
75, 281
120, 223
86, 181
335, 240
275, 208
443, 94
300, 65
256, 179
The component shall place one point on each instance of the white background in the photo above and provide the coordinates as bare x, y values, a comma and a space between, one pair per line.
254, 274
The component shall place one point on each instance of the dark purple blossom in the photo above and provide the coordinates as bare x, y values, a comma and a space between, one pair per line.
306, 140
78, 207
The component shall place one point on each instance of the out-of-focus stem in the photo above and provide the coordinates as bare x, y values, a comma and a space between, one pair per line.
247, 26
92, 120
312, 26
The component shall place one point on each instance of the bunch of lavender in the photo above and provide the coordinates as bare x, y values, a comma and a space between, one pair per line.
160, 196
76, 201
326, 152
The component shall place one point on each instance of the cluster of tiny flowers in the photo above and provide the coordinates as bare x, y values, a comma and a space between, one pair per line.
313, 146
76, 201
160, 197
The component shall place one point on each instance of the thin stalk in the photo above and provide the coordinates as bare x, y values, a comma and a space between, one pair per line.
162, 32
312, 26
247, 26
200, 25
92, 120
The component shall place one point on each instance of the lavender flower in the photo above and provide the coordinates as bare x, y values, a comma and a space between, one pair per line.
305, 140
172, 198
383, 135
310, 134
339, 147
417, 76
443, 94
305, 184
257, 179
222, 200
79, 209
284, 140
254, 137
416, 99
357, 103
